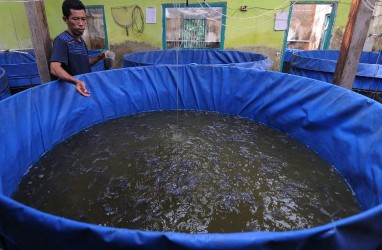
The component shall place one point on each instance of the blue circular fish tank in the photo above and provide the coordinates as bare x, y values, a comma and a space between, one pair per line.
343, 127
20, 68
321, 65
22, 72
197, 57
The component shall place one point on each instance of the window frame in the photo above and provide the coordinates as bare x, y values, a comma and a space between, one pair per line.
329, 31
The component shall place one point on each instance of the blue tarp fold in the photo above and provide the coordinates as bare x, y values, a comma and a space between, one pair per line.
321, 65
197, 57
342, 126
288, 53
4, 87
287, 58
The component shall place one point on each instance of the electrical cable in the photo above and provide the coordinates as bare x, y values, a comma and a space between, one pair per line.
178, 45
231, 8
371, 4
14, 26
281, 7
246, 27
177, 69
368, 5
234, 27
211, 8
16, 1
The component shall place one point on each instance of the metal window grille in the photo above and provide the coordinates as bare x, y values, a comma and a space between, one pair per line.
194, 33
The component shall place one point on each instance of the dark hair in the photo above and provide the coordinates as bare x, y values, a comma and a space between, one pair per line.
67, 5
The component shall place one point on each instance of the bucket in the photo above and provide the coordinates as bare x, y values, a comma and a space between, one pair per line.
109, 59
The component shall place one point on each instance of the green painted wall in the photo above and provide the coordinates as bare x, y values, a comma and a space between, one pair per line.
14, 30
251, 28
152, 32
343, 13
254, 26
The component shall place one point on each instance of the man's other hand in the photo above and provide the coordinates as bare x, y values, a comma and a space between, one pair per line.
81, 88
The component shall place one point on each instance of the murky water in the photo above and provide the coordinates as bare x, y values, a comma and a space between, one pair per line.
188, 172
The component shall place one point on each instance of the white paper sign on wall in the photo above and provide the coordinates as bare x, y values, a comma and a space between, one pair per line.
281, 21
151, 15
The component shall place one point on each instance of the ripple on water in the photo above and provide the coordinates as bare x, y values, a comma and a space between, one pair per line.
189, 171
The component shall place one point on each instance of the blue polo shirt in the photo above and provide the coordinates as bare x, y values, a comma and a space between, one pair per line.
71, 53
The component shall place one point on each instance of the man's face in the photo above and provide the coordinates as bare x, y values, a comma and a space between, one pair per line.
76, 22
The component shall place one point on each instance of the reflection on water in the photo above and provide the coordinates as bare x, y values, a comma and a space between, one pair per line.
204, 172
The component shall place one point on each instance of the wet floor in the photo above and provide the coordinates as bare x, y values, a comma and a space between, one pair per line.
186, 171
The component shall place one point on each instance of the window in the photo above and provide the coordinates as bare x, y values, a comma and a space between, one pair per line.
308, 25
95, 35
194, 26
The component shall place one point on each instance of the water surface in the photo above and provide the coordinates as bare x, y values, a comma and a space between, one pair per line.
187, 171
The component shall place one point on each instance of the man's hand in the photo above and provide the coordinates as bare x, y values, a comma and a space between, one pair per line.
57, 70
81, 88
94, 59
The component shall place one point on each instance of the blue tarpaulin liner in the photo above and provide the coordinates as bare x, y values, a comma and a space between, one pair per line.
199, 57
4, 87
342, 126
321, 65
287, 58
288, 54
21, 67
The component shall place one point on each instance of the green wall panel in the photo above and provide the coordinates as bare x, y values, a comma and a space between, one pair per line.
254, 27
14, 27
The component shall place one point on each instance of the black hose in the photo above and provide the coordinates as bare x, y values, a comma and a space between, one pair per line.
137, 14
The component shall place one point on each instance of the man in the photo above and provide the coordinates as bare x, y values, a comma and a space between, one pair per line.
70, 54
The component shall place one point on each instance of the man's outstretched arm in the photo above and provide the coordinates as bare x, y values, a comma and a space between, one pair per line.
57, 70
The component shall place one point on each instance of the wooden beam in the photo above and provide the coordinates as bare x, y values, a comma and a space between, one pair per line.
353, 42
40, 37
